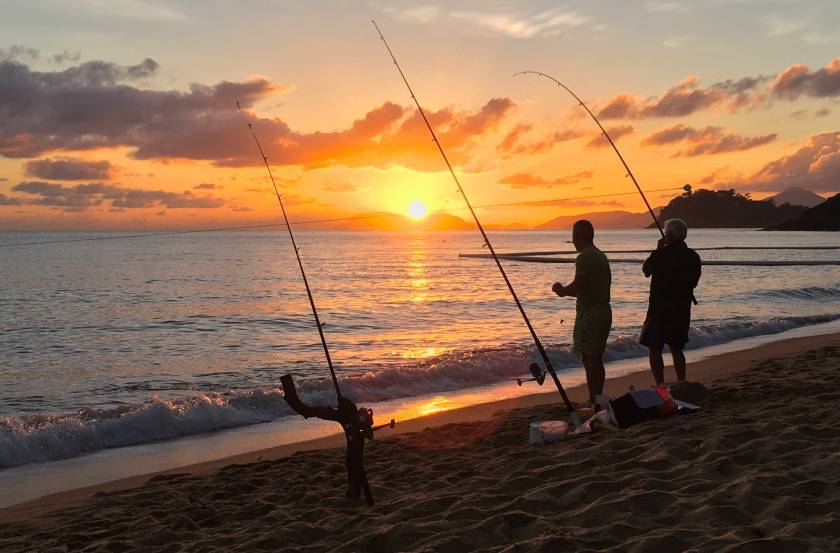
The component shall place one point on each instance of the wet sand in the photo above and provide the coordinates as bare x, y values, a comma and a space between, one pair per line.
756, 470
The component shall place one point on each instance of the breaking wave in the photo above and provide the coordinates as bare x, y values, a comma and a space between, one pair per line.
38, 438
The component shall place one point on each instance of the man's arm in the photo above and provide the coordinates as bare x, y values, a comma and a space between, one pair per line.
649, 266
573, 289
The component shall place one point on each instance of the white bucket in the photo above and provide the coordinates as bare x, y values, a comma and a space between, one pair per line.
545, 432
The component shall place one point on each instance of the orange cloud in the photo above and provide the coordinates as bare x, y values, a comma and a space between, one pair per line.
600, 141
525, 180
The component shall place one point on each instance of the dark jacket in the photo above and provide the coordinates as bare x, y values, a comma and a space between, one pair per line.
675, 269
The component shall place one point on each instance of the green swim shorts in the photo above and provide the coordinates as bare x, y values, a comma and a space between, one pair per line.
592, 328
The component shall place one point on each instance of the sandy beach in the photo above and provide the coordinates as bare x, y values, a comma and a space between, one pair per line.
756, 470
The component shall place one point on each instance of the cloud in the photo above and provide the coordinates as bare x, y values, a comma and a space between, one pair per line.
682, 99
8, 200
571, 202
823, 112
3, 179
551, 21
65, 56
599, 141
798, 80
340, 187
82, 196
207, 186
710, 140
93, 106
526, 180
67, 168
511, 144
814, 165
688, 96
19, 54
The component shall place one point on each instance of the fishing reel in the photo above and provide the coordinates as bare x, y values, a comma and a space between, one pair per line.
538, 372
360, 419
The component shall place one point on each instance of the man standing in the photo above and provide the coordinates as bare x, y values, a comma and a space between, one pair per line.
593, 321
675, 272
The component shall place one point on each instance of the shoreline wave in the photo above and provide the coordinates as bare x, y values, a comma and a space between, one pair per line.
43, 437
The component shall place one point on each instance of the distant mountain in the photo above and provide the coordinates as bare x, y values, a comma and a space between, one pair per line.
727, 209
394, 221
797, 196
825, 216
600, 220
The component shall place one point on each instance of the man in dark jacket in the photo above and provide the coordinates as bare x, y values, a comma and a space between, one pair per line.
675, 272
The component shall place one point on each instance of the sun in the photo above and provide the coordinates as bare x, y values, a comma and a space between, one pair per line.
417, 209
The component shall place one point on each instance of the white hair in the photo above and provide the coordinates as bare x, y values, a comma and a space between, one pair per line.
677, 229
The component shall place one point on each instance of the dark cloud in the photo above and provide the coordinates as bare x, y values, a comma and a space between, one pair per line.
599, 141
69, 169
82, 196
8, 200
815, 165
798, 80
526, 180
93, 105
823, 112
207, 186
19, 54
3, 179
65, 56
799, 114
710, 140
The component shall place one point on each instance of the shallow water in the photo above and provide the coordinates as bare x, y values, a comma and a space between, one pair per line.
112, 343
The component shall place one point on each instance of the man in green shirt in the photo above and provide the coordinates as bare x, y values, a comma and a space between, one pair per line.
593, 321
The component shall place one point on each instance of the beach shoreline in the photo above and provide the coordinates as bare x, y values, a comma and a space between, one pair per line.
703, 371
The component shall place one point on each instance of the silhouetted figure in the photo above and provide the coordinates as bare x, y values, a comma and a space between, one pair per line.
674, 269
593, 320
357, 424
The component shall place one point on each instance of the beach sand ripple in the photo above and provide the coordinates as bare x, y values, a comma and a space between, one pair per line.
757, 470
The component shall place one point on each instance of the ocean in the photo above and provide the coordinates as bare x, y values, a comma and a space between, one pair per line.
114, 344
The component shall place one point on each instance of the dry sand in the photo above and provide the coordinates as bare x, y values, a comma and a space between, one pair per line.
758, 469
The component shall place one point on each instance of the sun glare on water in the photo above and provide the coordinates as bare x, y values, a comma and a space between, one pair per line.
417, 209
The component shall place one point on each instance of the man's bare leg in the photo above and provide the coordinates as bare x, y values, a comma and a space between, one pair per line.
679, 363
595, 375
657, 365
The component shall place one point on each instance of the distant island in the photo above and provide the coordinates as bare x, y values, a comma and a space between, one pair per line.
728, 209
825, 216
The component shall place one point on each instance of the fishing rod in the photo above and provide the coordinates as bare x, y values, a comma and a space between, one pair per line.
608, 137
357, 422
297, 255
614, 147
537, 342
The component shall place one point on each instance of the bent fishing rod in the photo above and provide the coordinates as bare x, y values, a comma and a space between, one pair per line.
299, 261
609, 139
612, 143
549, 368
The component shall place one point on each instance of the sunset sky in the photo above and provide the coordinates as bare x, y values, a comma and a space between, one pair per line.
120, 114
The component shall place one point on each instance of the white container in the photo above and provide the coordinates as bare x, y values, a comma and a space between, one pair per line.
545, 432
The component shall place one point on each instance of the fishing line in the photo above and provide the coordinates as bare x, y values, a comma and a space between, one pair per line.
537, 341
